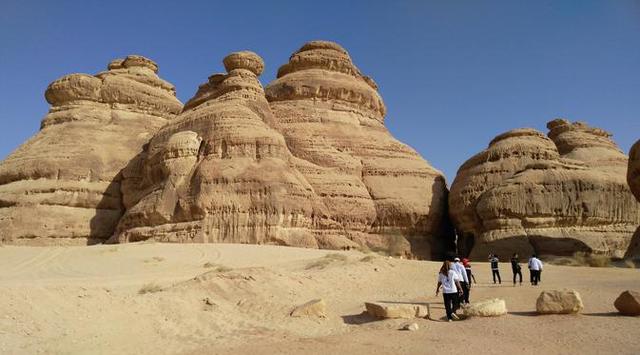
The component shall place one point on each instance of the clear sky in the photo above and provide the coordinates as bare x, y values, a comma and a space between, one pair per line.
453, 74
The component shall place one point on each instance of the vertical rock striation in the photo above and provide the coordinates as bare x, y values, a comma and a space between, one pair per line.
62, 186
555, 196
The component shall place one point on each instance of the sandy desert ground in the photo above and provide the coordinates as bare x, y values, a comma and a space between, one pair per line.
220, 298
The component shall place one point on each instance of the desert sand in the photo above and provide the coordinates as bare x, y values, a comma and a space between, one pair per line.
226, 298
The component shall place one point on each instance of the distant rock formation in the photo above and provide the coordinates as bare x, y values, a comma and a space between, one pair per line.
314, 166
528, 193
633, 178
62, 186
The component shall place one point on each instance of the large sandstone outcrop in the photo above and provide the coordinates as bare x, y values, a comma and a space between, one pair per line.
633, 178
372, 185
63, 185
558, 195
313, 167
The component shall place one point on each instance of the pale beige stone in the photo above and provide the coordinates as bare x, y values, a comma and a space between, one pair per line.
412, 327
396, 310
487, 308
559, 302
63, 186
528, 193
628, 303
314, 308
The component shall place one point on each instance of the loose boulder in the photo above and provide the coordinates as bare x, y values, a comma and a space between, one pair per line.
628, 303
314, 308
559, 302
486, 308
396, 310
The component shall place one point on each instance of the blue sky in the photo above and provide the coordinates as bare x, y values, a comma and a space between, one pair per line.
453, 74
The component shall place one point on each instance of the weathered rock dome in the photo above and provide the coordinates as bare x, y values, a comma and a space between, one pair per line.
380, 192
63, 185
633, 178
555, 195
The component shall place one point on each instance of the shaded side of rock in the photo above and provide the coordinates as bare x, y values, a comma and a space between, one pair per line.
628, 303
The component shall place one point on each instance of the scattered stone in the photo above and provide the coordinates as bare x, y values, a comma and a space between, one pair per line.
412, 327
396, 310
313, 308
486, 308
628, 303
559, 302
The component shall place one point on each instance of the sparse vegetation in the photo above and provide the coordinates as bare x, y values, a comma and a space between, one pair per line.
368, 258
216, 267
150, 288
580, 259
326, 261
155, 259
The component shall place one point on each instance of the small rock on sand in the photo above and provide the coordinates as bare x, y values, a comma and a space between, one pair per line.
628, 303
396, 310
313, 308
412, 327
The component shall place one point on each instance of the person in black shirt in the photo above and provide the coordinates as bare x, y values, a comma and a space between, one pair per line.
495, 271
515, 267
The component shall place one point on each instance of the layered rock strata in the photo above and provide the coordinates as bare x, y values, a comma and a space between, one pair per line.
310, 163
63, 185
380, 192
528, 193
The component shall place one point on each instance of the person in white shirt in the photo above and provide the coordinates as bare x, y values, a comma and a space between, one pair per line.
459, 268
451, 288
535, 269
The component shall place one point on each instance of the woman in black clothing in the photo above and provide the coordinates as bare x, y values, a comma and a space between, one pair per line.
515, 267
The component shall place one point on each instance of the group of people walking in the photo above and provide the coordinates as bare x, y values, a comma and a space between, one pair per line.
455, 279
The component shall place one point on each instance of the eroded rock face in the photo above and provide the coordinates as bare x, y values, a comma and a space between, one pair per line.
377, 191
633, 178
314, 166
527, 193
62, 186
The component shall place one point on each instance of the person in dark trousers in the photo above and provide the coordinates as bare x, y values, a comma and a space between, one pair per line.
464, 282
495, 271
467, 268
451, 288
535, 268
515, 267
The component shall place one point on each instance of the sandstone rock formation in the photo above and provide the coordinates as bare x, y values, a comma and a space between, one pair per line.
314, 166
528, 193
628, 303
487, 308
63, 185
633, 178
372, 185
559, 302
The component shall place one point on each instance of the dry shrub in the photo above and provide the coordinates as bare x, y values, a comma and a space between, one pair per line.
216, 267
326, 261
150, 288
368, 258
580, 259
